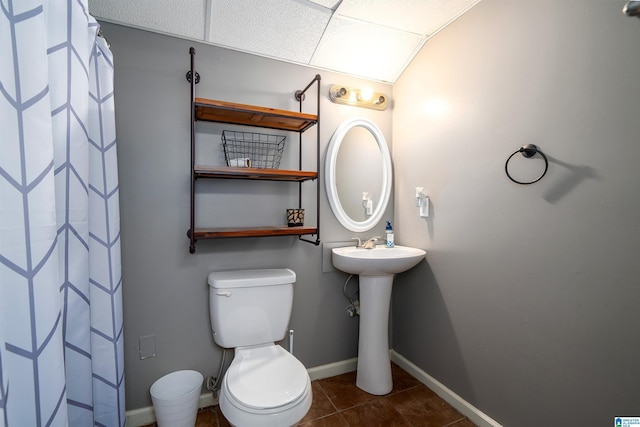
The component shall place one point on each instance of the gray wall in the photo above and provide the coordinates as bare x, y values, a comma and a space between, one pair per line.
165, 287
527, 305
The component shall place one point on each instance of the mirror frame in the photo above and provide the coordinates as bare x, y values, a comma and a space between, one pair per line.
330, 175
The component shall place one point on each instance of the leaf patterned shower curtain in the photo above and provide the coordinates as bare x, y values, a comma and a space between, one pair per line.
61, 343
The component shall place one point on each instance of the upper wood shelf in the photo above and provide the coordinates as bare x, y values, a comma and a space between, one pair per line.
218, 233
253, 173
249, 115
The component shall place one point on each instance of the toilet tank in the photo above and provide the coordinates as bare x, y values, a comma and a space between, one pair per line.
250, 307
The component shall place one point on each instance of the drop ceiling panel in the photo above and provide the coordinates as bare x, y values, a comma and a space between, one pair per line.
183, 18
285, 29
374, 39
364, 49
416, 16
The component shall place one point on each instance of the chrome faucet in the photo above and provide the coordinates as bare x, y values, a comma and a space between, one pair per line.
368, 244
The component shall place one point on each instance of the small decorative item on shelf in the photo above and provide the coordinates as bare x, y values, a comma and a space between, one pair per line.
251, 149
295, 217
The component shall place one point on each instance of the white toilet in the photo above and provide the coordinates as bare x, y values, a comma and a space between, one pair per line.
265, 385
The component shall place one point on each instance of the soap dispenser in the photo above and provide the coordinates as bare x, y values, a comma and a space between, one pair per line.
390, 239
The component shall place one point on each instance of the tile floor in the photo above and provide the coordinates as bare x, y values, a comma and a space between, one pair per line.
337, 402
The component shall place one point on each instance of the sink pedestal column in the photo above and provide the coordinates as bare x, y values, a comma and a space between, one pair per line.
374, 365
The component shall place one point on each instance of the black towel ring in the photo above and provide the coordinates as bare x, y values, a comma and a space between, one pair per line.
528, 151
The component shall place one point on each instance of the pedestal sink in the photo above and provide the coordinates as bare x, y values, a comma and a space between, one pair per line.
376, 268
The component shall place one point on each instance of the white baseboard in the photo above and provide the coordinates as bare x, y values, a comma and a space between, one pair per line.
333, 369
144, 416
465, 408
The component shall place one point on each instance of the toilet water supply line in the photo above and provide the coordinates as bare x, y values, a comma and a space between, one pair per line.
354, 305
214, 383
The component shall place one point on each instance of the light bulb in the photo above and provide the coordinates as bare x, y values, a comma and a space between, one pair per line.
366, 94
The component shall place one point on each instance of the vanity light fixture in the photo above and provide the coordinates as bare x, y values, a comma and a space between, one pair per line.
357, 97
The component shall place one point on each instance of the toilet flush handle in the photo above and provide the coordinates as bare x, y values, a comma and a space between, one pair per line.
223, 293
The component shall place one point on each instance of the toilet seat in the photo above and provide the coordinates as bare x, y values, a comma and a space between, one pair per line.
265, 386
265, 378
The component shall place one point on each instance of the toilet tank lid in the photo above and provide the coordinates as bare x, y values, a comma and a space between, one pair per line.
251, 278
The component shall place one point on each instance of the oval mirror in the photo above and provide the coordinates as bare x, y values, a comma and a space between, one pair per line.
358, 162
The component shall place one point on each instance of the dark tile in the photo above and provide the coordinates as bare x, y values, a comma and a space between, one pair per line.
338, 402
321, 405
423, 408
375, 413
222, 421
342, 391
401, 379
462, 423
207, 417
334, 420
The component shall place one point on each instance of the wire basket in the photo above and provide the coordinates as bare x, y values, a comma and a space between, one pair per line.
257, 150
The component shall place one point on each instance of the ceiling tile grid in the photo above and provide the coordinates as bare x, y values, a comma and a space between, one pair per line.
372, 39
284, 29
184, 18
423, 17
329, 4
363, 49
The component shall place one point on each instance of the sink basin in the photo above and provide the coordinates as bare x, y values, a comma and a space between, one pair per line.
377, 261
376, 268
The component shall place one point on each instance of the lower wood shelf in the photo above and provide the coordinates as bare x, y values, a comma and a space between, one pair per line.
201, 171
219, 233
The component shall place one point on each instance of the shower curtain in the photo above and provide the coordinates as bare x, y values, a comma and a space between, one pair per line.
61, 343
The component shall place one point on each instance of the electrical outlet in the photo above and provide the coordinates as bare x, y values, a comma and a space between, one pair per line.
147, 346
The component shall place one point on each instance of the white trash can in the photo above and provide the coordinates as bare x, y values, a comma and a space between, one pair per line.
175, 398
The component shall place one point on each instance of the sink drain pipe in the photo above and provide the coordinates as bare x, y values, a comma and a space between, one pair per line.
354, 304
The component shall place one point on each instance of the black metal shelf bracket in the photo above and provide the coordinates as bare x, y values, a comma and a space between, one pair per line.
300, 96
193, 82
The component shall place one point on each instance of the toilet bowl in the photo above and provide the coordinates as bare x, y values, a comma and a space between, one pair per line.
265, 385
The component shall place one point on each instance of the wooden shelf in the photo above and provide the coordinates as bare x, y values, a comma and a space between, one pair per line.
219, 233
249, 115
253, 173
210, 110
